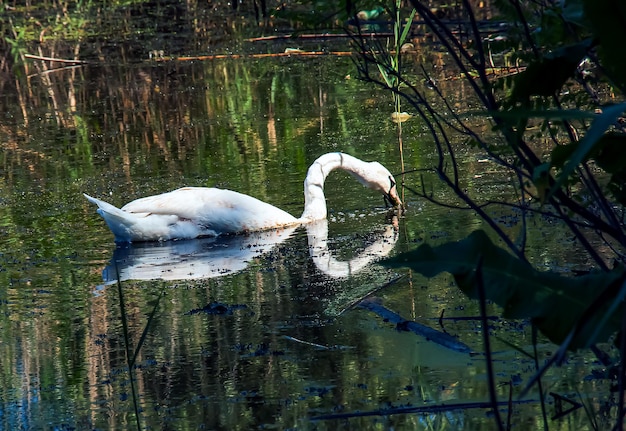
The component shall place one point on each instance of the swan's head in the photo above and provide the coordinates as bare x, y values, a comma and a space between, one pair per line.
377, 177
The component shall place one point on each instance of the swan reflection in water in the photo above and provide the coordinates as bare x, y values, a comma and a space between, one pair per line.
219, 256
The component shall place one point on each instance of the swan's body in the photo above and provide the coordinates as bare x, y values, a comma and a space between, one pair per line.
192, 212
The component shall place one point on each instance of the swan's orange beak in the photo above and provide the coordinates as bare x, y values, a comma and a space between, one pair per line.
392, 195
394, 198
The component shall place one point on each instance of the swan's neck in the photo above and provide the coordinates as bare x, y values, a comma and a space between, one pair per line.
314, 199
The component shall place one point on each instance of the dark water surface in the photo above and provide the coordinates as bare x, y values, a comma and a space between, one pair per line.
247, 332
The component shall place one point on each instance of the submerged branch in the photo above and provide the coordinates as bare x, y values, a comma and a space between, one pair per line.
437, 408
430, 334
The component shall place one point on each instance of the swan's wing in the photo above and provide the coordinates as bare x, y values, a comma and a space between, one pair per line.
186, 203
222, 210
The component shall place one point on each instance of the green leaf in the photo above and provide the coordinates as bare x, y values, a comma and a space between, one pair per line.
554, 303
608, 153
405, 31
586, 144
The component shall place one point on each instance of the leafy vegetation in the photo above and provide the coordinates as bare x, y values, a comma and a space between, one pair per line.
95, 28
570, 170
548, 77
553, 302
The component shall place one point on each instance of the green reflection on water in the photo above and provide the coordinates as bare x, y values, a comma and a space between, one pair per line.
254, 127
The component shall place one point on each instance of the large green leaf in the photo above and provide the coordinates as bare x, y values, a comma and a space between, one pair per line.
608, 153
555, 303
586, 145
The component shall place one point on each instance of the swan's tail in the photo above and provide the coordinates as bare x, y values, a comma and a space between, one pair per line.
120, 222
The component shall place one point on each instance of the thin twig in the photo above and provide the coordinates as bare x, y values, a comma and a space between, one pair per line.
129, 357
290, 53
542, 399
54, 70
308, 343
621, 383
482, 302
315, 36
56, 60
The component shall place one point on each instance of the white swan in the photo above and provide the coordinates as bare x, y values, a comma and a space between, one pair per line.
192, 212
